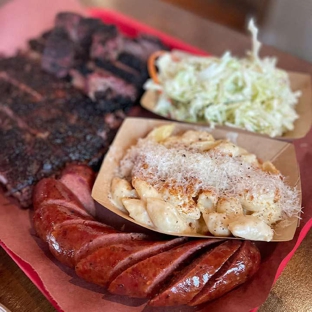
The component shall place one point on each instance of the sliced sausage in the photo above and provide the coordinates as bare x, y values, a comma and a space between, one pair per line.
142, 279
49, 216
50, 191
130, 263
69, 237
105, 263
79, 179
190, 282
101, 241
241, 266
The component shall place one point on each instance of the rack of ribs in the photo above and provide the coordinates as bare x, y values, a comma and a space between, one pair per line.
63, 100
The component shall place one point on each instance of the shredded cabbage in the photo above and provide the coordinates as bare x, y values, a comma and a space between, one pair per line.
249, 93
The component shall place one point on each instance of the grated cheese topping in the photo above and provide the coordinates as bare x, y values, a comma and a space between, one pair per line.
192, 183
189, 171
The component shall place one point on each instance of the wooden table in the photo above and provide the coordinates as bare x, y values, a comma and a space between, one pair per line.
292, 290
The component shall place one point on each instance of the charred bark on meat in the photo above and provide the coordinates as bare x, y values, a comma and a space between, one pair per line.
63, 100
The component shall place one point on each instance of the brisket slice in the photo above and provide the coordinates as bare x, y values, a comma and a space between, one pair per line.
69, 22
59, 53
38, 44
75, 41
106, 43
143, 46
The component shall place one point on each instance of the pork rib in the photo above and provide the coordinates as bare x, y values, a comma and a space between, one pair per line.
44, 124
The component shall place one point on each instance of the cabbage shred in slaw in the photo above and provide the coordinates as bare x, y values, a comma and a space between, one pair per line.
249, 93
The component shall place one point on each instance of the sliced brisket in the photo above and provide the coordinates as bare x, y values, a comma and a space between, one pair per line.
59, 53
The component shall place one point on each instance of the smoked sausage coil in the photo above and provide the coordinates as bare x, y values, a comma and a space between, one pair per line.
133, 264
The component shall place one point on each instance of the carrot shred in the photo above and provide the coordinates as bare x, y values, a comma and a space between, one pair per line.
151, 65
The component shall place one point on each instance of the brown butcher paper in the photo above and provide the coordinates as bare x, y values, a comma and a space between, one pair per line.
69, 293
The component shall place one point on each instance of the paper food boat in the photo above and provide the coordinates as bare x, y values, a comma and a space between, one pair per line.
299, 82
280, 153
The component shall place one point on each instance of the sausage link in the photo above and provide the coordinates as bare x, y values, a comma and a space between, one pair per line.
69, 237
46, 218
243, 264
145, 278
103, 265
50, 191
195, 276
130, 263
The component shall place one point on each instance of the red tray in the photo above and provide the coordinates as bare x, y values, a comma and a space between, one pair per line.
132, 28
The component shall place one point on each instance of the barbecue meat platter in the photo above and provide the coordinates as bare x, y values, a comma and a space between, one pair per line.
62, 102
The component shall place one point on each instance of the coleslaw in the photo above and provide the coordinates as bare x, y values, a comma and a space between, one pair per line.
248, 93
